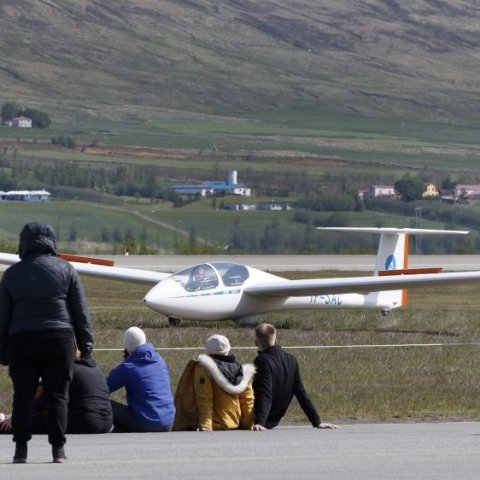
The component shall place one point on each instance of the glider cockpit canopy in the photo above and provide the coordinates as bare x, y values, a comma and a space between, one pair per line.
210, 275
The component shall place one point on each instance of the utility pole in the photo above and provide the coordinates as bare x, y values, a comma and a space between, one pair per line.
418, 238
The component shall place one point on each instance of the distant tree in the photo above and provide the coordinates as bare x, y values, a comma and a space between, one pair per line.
63, 141
73, 233
106, 234
192, 236
272, 239
308, 241
465, 246
410, 188
39, 119
70, 143
338, 219
117, 235
448, 184
242, 239
302, 216
329, 200
9, 110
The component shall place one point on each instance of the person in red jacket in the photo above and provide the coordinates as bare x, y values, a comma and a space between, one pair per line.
276, 381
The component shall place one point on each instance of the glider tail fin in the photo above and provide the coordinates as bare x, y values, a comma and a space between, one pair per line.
392, 255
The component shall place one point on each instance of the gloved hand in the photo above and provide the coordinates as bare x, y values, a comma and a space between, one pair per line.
86, 352
3, 355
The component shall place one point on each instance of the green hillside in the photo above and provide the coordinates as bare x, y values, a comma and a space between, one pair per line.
92, 62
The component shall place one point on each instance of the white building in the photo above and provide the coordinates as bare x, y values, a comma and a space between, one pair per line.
381, 191
25, 195
20, 122
467, 191
208, 188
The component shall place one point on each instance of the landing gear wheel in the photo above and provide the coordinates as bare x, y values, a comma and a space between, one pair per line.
173, 321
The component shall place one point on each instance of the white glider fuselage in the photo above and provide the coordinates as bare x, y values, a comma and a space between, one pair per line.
218, 297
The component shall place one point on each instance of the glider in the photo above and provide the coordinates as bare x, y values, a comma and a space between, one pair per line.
223, 290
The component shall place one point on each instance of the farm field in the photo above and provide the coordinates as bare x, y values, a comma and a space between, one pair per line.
347, 380
81, 225
292, 138
94, 228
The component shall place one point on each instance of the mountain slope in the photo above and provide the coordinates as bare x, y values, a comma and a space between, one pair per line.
408, 58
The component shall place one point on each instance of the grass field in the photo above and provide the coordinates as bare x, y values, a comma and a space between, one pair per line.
347, 380
394, 145
81, 225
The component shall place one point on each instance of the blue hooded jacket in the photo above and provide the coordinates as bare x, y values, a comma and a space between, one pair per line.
146, 378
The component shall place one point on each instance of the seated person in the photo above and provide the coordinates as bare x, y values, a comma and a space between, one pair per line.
215, 392
146, 379
203, 278
277, 381
89, 406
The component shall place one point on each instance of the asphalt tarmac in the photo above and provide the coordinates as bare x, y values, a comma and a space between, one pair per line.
284, 263
440, 451
288, 263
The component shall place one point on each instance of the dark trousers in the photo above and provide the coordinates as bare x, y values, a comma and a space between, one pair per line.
47, 355
124, 421
89, 424
76, 424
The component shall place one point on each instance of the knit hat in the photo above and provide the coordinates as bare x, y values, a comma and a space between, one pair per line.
217, 345
133, 338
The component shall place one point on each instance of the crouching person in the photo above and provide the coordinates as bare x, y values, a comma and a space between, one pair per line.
215, 392
146, 379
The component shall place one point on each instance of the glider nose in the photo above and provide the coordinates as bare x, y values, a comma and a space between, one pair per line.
162, 296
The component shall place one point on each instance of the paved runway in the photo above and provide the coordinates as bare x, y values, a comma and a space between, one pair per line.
284, 263
425, 451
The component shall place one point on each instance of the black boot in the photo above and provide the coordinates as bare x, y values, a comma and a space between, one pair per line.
21, 452
58, 454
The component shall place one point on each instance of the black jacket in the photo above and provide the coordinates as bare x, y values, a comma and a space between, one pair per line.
89, 404
42, 292
276, 382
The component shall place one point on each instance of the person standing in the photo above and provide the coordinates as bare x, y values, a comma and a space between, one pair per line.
44, 317
145, 376
276, 382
